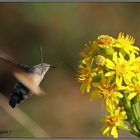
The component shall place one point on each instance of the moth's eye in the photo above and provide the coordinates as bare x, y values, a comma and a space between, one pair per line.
44, 69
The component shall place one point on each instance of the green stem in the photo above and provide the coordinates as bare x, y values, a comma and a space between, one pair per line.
135, 111
134, 132
131, 108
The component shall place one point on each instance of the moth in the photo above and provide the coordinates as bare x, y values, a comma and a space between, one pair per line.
29, 78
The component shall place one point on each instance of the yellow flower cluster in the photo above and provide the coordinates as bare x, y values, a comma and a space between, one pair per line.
114, 121
110, 70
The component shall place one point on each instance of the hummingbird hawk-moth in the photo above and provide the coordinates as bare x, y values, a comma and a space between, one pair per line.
29, 78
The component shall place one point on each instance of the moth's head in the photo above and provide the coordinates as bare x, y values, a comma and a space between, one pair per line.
41, 69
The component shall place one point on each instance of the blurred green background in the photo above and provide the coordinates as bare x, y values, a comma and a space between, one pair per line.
61, 29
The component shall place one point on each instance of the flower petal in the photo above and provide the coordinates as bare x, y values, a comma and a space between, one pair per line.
118, 94
121, 88
114, 132
132, 58
132, 95
106, 131
109, 64
109, 73
115, 58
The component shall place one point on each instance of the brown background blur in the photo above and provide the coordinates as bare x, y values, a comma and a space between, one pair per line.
61, 29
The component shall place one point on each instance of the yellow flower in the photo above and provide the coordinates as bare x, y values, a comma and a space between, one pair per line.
105, 41
122, 68
108, 91
100, 60
85, 74
126, 43
114, 121
133, 89
89, 49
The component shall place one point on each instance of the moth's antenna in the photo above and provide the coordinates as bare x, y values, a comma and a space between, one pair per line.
41, 55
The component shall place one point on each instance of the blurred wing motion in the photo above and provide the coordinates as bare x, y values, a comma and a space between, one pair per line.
21, 74
8, 59
27, 80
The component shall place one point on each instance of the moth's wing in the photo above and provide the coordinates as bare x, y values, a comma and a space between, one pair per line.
27, 80
8, 59
20, 72
11, 61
